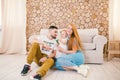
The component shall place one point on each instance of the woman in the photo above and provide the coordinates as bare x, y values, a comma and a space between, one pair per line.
74, 58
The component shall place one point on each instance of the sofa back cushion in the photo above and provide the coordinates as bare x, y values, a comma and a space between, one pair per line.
43, 31
87, 35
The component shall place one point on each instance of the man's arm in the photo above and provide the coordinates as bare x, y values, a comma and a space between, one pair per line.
42, 43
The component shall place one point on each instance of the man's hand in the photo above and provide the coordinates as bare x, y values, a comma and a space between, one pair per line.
43, 59
46, 47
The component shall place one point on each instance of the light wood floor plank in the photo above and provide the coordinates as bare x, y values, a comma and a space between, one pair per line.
11, 66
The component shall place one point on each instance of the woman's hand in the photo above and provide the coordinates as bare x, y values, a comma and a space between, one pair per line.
61, 49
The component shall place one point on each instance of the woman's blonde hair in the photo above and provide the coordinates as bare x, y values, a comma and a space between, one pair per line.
74, 38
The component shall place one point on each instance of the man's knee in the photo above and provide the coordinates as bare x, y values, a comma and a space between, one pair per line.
35, 44
50, 61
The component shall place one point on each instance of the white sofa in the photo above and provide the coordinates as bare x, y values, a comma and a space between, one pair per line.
93, 44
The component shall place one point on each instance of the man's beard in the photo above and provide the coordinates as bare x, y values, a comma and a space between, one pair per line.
53, 37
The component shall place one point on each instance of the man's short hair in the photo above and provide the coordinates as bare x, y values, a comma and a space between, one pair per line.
53, 27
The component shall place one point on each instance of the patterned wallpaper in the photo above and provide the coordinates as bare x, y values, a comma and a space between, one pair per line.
83, 13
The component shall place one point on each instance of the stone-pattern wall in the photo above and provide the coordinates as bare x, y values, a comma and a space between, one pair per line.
83, 13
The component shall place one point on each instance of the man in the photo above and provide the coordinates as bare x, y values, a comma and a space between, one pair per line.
43, 56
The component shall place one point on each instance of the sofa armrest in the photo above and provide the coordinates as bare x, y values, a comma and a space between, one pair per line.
99, 41
33, 37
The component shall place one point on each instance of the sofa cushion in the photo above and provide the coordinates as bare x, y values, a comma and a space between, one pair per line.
93, 31
86, 38
89, 46
43, 31
87, 35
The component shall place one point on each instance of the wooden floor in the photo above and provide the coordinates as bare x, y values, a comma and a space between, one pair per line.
11, 65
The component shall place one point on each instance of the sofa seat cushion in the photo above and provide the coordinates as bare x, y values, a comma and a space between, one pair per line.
89, 46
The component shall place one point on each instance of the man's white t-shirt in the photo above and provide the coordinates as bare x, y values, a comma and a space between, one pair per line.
51, 43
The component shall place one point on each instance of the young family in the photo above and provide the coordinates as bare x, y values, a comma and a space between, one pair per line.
63, 54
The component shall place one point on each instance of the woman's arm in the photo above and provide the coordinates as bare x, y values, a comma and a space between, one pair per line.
52, 54
74, 48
